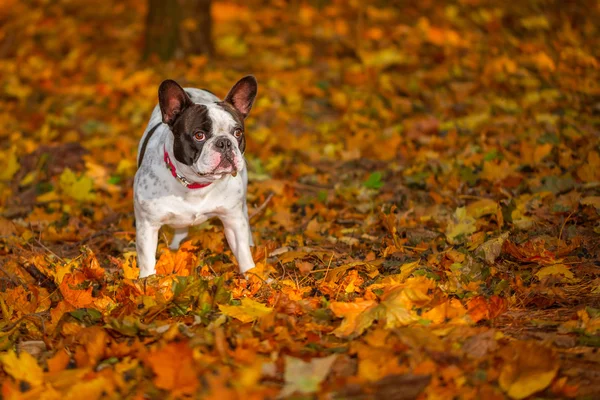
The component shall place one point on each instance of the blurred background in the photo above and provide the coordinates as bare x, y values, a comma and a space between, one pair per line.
447, 97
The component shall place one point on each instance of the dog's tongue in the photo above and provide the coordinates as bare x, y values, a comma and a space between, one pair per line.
234, 174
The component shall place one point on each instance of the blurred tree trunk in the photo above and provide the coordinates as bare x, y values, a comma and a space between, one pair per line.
175, 28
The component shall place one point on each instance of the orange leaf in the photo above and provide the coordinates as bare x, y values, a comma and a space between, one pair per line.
173, 366
78, 298
357, 316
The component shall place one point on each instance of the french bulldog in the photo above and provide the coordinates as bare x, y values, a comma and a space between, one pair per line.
191, 167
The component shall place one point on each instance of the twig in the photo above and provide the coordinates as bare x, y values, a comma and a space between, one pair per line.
563, 225
43, 246
41, 279
261, 208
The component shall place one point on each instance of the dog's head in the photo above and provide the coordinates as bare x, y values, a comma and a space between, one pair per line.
209, 139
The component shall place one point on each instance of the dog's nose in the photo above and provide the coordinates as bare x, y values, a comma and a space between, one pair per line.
223, 144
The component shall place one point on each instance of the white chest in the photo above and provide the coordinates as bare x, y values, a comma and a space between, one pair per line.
166, 202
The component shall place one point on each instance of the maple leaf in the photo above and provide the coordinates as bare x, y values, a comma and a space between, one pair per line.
248, 311
553, 270
358, 316
79, 189
78, 298
528, 368
22, 367
461, 225
173, 366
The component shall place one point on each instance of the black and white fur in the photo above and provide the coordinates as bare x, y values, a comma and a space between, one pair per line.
205, 140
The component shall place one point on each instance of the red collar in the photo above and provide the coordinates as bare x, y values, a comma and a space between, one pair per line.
180, 178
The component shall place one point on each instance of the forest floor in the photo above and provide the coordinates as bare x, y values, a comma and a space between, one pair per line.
424, 197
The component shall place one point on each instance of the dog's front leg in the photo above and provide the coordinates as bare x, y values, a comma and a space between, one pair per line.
145, 243
239, 237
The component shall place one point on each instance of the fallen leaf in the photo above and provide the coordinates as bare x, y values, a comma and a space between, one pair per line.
305, 377
79, 189
528, 368
461, 225
358, 316
492, 248
553, 270
22, 367
250, 310
173, 367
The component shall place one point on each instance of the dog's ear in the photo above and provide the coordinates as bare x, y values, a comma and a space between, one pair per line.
172, 100
242, 95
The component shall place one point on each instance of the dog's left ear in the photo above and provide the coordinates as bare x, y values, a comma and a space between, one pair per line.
242, 94
172, 100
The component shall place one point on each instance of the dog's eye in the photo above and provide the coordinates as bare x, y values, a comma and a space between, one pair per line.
238, 133
200, 136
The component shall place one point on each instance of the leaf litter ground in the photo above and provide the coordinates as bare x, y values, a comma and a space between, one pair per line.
424, 199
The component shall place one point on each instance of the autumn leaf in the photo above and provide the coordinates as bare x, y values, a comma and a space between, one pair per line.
9, 165
591, 201
248, 311
461, 225
528, 368
305, 377
78, 298
358, 316
22, 367
492, 248
173, 367
130, 270
79, 189
555, 270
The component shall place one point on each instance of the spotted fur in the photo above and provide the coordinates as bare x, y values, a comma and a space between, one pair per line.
159, 199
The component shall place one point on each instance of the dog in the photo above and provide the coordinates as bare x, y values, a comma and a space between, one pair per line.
191, 167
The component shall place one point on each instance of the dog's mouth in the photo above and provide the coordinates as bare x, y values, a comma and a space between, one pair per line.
225, 167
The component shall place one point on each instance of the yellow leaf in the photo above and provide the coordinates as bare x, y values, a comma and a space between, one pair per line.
496, 170
556, 269
22, 368
90, 389
9, 165
482, 207
248, 311
232, 45
446, 311
358, 316
29, 178
461, 225
383, 58
528, 368
79, 189
130, 270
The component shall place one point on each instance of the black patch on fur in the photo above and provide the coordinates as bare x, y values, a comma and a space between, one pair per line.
145, 144
193, 119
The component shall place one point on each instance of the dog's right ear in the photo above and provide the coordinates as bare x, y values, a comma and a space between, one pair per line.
172, 100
